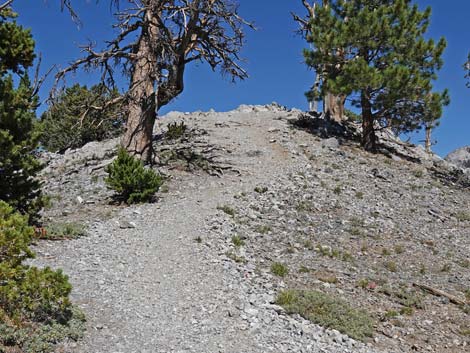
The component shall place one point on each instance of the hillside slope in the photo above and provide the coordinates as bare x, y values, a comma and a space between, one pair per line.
249, 188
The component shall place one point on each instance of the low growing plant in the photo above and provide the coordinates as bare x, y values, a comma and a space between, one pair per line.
131, 180
327, 311
176, 131
57, 231
279, 269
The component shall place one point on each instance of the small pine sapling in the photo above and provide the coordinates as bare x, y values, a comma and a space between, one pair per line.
131, 180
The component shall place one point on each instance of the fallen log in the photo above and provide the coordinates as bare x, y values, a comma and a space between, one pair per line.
440, 293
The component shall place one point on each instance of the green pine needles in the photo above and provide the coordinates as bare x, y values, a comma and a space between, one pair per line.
375, 52
33, 302
131, 180
80, 115
18, 139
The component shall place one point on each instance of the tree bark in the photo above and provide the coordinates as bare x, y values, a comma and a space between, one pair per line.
142, 104
428, 142
334, 107
369, 139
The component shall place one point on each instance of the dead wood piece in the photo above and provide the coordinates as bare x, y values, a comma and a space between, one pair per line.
440, 293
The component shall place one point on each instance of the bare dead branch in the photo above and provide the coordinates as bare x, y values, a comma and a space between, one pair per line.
210, 31
5, 4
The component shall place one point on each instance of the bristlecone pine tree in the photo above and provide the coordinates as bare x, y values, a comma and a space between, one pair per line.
156, 40
375, 52
18, 141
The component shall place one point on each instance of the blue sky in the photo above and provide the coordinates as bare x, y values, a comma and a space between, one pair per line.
273, 56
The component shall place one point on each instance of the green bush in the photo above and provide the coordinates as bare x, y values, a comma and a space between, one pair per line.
71, 122
176, 131
32, 300
29, 293
131, 180
15, 237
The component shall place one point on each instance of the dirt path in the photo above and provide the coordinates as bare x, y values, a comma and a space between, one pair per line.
153, 288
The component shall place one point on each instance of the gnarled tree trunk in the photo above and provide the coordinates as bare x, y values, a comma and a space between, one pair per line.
369, 139
142, 103
428, 142
334, 107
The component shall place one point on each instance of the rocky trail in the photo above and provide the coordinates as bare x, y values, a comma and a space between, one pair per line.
167, 276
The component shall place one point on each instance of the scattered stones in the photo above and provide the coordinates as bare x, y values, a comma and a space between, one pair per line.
123, 224
331, 142
168, 277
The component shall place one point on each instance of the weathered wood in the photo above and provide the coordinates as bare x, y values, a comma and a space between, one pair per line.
440, 293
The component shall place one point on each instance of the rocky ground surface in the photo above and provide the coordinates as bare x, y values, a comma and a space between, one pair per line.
170, 277
460, 157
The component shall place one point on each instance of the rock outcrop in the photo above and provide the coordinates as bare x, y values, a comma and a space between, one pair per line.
460, 157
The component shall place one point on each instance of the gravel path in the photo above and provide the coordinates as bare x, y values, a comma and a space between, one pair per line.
154, 288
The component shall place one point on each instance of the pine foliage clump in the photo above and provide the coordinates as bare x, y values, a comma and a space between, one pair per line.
31, 299
80, 115
131, 180
18, 139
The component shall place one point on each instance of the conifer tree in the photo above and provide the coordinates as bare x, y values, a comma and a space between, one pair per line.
18, 140
79, 115
375, 52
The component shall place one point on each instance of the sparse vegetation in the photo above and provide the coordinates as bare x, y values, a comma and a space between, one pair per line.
359, 195
391, 266
176, 130
238, 259
263, 229
337, 190
399, 249
386, 252
463, 216
57, 231
237, 241
406, 310
390, 314
279, 269
227, 210
465, 263
467, 294
261, 189
446, 267
327, 277
327, 311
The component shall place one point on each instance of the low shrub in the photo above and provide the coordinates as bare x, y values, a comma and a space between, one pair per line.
131, 180
57, 231
279, 269
327, 311
34, 303
29, 293
15, 237
176, 131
